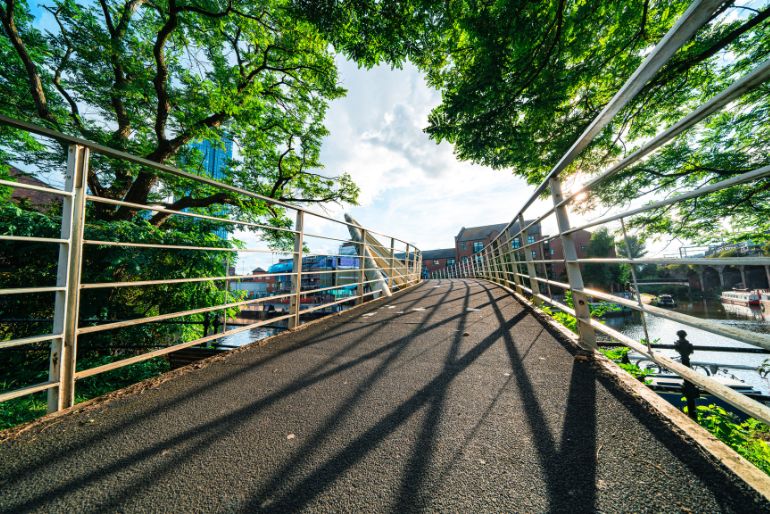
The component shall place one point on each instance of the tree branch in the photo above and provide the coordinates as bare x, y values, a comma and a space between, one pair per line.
187, 202
35, 83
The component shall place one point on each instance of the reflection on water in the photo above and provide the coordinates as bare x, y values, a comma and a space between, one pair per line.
248, 336
735, 365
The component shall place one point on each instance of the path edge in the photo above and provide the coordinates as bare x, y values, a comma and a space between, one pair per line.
717, 451
51, 418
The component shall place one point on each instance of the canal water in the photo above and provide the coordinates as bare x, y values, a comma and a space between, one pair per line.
739, 366
247, 336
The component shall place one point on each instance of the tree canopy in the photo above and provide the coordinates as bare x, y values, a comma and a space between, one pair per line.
150, 77
520, 81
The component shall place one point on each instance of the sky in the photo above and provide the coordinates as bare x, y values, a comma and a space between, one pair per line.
411, 187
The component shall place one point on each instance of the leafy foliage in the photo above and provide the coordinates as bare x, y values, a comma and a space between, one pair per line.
151, 77
749, 438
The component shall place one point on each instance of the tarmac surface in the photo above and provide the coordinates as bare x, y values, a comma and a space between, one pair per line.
449, 397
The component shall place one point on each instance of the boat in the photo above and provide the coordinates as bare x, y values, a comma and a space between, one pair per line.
741, 297
664, 300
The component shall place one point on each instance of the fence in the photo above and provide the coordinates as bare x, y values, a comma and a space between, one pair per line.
509, 262
378, 272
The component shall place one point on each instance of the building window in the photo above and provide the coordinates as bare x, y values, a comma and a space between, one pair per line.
551, 251
450, 262
530, 240
534, 254
463, 245
478, 246
516, 243
465, 258
436, 262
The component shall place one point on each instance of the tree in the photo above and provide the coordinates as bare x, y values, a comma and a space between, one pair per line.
151, 77
601, 276
521, 80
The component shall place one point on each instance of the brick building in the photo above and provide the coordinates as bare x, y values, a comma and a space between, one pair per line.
436, 260
555, 250
471, 240
36, 200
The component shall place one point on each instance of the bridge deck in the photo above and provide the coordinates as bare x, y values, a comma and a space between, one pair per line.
450, 398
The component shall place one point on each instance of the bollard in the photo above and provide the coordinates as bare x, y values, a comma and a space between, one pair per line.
684, 348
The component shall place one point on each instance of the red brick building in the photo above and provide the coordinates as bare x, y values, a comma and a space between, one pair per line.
437, 260
555, 251
37, 200
472, 240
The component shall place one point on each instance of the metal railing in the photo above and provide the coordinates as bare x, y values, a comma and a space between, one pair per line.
377, 270
505, 261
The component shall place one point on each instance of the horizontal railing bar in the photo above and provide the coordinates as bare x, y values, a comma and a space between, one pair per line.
305, 292
24, 391
170, 349
324, 272
561, 285
745, 336
306, 234
749, 81
32, 187
139, 283
558, 305
331, 304
696, 261
703, 348
143, 207
32, 239
751, 407
718, 186
172, 315
179, 247
31, 290
117, 154
28, 340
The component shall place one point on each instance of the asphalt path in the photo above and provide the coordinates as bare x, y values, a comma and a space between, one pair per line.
449, 397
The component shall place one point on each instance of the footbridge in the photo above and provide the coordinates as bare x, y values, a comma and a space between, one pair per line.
366, 385
450, 396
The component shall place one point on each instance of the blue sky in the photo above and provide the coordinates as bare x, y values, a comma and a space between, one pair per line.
411, 187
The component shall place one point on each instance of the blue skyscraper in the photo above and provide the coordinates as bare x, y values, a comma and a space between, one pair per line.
215, 159
215, 156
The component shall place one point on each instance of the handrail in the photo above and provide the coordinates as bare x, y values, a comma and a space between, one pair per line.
519, 269
371, 278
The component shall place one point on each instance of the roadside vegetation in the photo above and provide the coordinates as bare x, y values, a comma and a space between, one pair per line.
749, 438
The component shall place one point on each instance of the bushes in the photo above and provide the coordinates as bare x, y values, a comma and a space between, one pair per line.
748, 438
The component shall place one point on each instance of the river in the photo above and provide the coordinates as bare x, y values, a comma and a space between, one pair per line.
740, 366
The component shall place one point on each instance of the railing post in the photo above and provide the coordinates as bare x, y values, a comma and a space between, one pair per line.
515, 269
531, 269
361, 268
406, 263
390, 265
295, 301
580, 300
63, 356
494, 262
